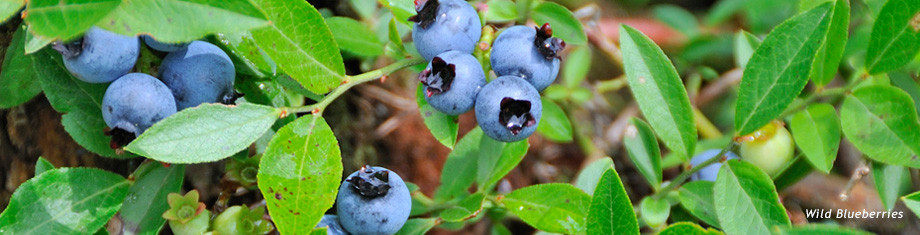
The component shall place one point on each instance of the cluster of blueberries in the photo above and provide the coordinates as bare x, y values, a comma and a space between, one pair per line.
508, 108
372, 200
190, 74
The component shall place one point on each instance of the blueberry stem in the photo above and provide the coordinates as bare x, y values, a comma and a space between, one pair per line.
822, 93
686, 174
350, 81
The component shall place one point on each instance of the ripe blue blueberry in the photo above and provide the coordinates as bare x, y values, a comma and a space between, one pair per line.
530, 53
199, 73
508, 109
99, 56
710, 172
373, 200
161, 46
444, 25
132, 104
333, 227
451, 82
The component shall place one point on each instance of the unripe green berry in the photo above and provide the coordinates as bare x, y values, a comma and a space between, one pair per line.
770, 148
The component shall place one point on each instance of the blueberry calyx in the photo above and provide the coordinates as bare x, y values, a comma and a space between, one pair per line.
439, 77
427, 11
69, 49
231, 98
120, 137
515, 115
546, 43
370, 183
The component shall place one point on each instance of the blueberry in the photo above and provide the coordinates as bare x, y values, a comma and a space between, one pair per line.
530, 53
161, 46
199, 73
508, 109
99, 56
710, 172
333, 227
132, 104
451, 82
373, 200
444, 25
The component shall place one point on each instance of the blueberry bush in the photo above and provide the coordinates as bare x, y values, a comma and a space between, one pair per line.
730, 116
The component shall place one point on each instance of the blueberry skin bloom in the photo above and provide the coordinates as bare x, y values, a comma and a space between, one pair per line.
444, 25
160, 46
451, 82
333, 227
199, 73
515, 53
710, 172
508, 109
99, 56
373, 200
135, 102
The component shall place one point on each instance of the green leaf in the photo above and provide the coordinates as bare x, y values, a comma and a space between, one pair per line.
908, 84
642, 146
831, 52
353, 36
80, 101
19, 79
417, 226
745, 45
687, 228
912, 202
697, 198
64, 201
565, 25
678, 18
891, 181
494, 166
747, 202
301, 44
247, 56
65, 19
590, 175
610, 211
658, 90
42, 165
467, 208
35, 42
774, 75
817, 133
182, 21
818, 228
142, 210
895, 36
207, 133
462, 162
299, 174
554, 207
501, 11
443, 127
654, 212
881, 122
554, 125
576, 66
395, 37
723, 10
401, 9
9, 8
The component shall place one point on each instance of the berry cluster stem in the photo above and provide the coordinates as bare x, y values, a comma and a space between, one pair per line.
350, 81
686, 174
